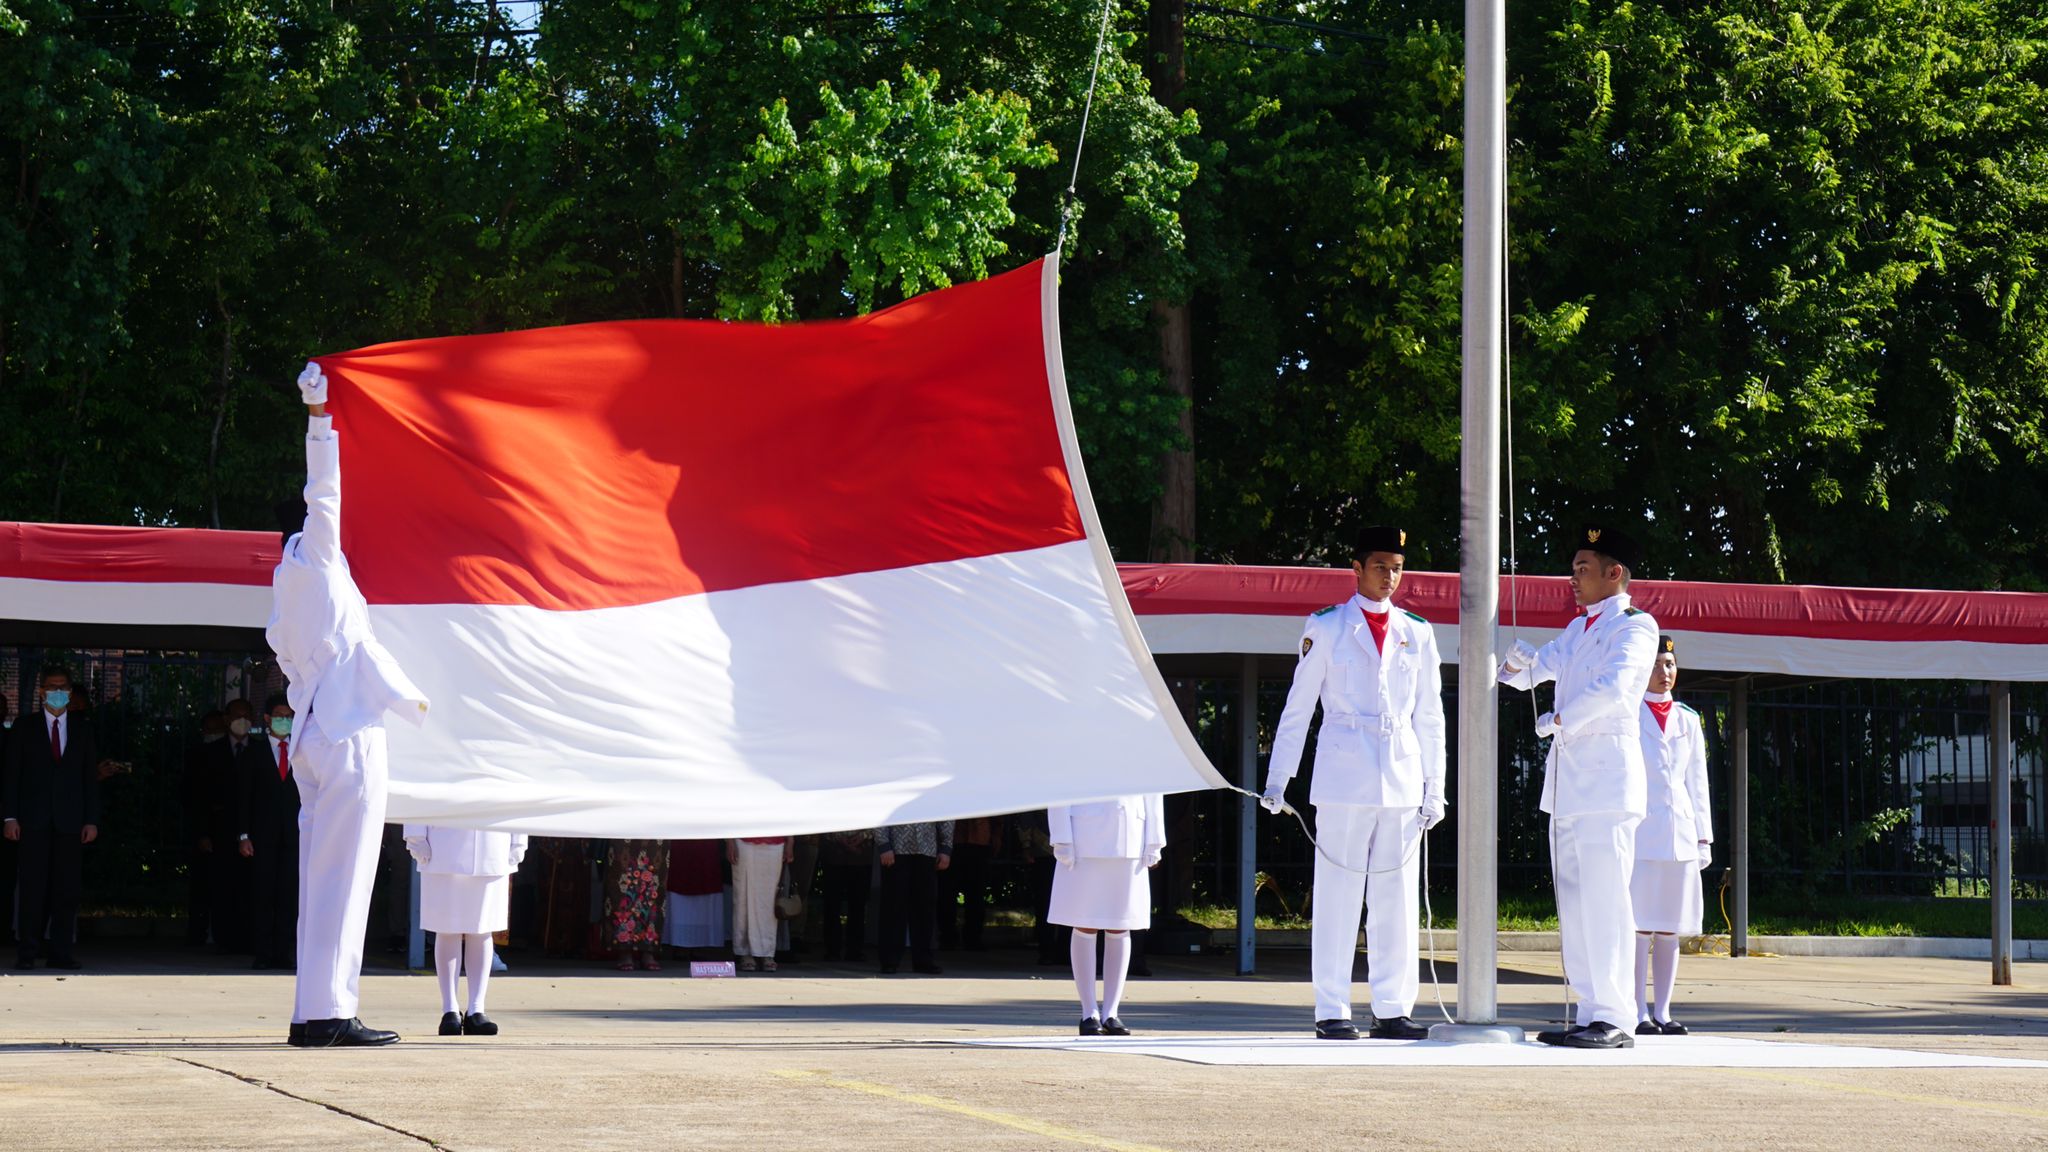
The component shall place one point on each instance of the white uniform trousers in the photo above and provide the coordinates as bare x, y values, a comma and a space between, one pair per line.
342, 792
1382, 842
1592, 857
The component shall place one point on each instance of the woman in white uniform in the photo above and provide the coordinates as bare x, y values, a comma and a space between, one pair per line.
465, 896
1100, 886
1673, 843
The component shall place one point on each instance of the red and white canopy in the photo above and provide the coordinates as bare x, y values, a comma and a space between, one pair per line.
192, 579
1800, 630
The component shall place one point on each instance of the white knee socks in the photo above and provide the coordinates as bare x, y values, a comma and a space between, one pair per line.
1664, 966
476, 956
1082, 951
447, 966
1643, 949
1116, 964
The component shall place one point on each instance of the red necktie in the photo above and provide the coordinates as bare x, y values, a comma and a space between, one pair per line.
56, 740
1661, 709
1377, 621
284, 759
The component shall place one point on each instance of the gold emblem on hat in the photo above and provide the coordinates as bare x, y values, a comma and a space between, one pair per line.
1403, 534
1592, 535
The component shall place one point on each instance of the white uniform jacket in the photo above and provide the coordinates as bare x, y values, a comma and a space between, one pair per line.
340, 676
1678, 819
1125, 827
463, 852
1382, 740
1602, 671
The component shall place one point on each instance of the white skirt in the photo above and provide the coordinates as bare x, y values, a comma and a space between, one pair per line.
1667, 896
1103, 892
696, 921
475, 904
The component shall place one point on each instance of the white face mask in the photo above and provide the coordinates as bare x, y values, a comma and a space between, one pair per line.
239, 727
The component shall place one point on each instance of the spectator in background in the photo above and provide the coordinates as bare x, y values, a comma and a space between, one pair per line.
757, 863
269, 839
1036, 846
635, 888
912, 857
49, 804
225, 767
10, 850
976, 843
848, 859
200, 833
696, 895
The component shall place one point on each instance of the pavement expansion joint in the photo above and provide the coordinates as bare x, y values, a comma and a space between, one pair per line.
267, 1086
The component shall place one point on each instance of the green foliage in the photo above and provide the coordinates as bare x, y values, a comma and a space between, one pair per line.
1776, 273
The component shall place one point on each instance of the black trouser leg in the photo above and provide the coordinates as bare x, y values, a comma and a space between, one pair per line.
67, 880
922, 911
895, 889
198, 896
35, 889
10, 868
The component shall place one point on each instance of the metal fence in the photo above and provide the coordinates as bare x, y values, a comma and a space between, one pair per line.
1857, 787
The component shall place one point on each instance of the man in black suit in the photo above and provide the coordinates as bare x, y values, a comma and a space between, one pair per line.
10, 851
269, 818
50, 801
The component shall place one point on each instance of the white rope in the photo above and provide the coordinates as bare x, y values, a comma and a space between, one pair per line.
1087, 107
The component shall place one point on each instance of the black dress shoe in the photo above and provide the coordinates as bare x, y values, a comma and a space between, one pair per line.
295, 1035
1141, 970
1111, 1026
1672, 1028
260, 964
1090, 1026
887, 969
1336, 1030
1650, 1028
929, 970
350, 1033
1398, 1028
24, 963
1599, 1034
451, 1023
68, 963
1556, 1037
478, 1024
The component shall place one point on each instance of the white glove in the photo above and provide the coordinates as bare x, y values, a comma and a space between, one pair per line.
420, 849
1706, 855
313, 384
1064, 853
1276, 796
1519, 660
1152, 858
1432, 812
1547, 725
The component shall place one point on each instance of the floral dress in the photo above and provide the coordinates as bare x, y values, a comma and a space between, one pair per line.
635, 875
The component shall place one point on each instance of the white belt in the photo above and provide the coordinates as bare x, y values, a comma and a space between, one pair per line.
1383, 724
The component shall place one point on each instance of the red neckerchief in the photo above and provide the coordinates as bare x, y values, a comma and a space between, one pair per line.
1378, 621
1592, 618
1661, 709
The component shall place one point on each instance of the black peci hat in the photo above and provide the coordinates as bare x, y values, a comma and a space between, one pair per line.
1380, 538
1615, 543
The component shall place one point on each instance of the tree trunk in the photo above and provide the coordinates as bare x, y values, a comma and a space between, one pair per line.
220, 409
1173, 513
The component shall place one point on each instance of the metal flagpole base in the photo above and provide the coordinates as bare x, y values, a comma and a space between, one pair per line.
1475, 1034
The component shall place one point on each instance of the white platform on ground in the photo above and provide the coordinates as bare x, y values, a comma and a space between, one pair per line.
1649, 1052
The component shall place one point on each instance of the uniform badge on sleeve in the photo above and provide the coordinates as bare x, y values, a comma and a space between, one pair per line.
1307, 643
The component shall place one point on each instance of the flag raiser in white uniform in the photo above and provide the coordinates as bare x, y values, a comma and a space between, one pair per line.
1378, 784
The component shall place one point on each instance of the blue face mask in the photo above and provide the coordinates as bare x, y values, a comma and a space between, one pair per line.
281, 725
57, 699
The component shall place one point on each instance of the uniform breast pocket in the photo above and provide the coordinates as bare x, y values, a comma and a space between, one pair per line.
1349, 672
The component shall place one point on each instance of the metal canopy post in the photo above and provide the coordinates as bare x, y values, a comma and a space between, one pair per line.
2001, 833
1247, 815
1738, 723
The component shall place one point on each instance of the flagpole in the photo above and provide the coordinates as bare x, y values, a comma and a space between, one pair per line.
1478, 791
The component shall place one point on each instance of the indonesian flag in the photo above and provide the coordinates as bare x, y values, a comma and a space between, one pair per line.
695, 579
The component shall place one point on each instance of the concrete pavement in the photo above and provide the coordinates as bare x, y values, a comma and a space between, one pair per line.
162, 1052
